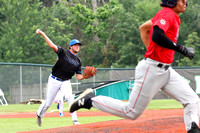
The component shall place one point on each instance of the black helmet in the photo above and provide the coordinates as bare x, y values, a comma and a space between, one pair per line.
168, 3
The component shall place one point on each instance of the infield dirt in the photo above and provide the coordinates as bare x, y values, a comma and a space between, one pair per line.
151, 121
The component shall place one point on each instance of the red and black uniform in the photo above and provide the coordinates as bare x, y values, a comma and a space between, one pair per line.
154, 73
170, 26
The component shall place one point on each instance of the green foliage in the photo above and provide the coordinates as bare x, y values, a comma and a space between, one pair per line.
194, 42
108, 28
110, 36
17, 41
131, 48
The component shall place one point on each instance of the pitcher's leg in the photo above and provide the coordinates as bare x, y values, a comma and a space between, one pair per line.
61, 104
66, 88
180, 90
73, 114
52, 89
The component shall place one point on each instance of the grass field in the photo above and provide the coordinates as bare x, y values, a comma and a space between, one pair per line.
13, 125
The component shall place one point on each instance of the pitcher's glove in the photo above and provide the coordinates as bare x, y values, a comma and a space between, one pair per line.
89, 72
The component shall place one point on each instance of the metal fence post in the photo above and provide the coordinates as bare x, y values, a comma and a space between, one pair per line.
76, 85
40, 82
20, 83
94, 79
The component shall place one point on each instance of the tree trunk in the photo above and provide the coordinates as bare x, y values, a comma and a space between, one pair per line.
48, 3
94, 9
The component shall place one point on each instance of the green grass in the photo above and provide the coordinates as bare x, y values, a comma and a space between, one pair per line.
29, 124
17, 108
13, 125
164, 104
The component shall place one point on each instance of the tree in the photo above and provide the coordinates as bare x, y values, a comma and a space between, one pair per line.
108, 29
131, 48
189, 23
194, 42
17, 42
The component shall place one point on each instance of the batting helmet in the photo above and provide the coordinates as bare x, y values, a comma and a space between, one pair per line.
74, 41
168, 3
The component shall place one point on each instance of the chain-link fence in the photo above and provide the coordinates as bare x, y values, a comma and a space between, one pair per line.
21, 82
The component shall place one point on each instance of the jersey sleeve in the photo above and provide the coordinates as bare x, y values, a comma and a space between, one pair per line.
163, 22
60, 51
79, 69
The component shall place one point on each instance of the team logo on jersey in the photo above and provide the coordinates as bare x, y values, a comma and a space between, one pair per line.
162, 21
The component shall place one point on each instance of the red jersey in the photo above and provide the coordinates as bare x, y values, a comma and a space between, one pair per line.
169, 22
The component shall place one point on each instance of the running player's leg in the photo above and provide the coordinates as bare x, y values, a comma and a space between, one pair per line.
52, 88
148, 80
180, 90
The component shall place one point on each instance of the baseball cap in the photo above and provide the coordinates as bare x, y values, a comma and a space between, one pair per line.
74, 41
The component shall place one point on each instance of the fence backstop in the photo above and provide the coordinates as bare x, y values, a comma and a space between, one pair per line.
22, 81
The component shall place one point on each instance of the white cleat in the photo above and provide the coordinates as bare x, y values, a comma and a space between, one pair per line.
76, 122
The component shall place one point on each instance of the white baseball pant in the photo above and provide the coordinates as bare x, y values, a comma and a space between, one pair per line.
60, 101
53, 87
149, 79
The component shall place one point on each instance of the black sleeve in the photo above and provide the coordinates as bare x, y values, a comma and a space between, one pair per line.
79, 69
59, 49
161, 39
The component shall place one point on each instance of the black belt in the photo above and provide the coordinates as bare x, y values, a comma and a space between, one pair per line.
56, 78
163, 66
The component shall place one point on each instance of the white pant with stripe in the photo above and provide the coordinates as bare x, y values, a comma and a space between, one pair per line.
149, 79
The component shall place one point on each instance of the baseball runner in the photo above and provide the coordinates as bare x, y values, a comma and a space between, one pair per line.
154, 72
67, 65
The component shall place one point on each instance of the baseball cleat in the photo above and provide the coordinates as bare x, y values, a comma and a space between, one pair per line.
60, 114
194, 128
75, 122
39, 121
83, 101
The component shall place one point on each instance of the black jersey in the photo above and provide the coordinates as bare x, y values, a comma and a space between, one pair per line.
67, 64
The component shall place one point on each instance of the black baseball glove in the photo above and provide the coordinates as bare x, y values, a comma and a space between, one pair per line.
187, 51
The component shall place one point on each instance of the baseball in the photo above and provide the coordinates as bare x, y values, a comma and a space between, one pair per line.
37, 31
